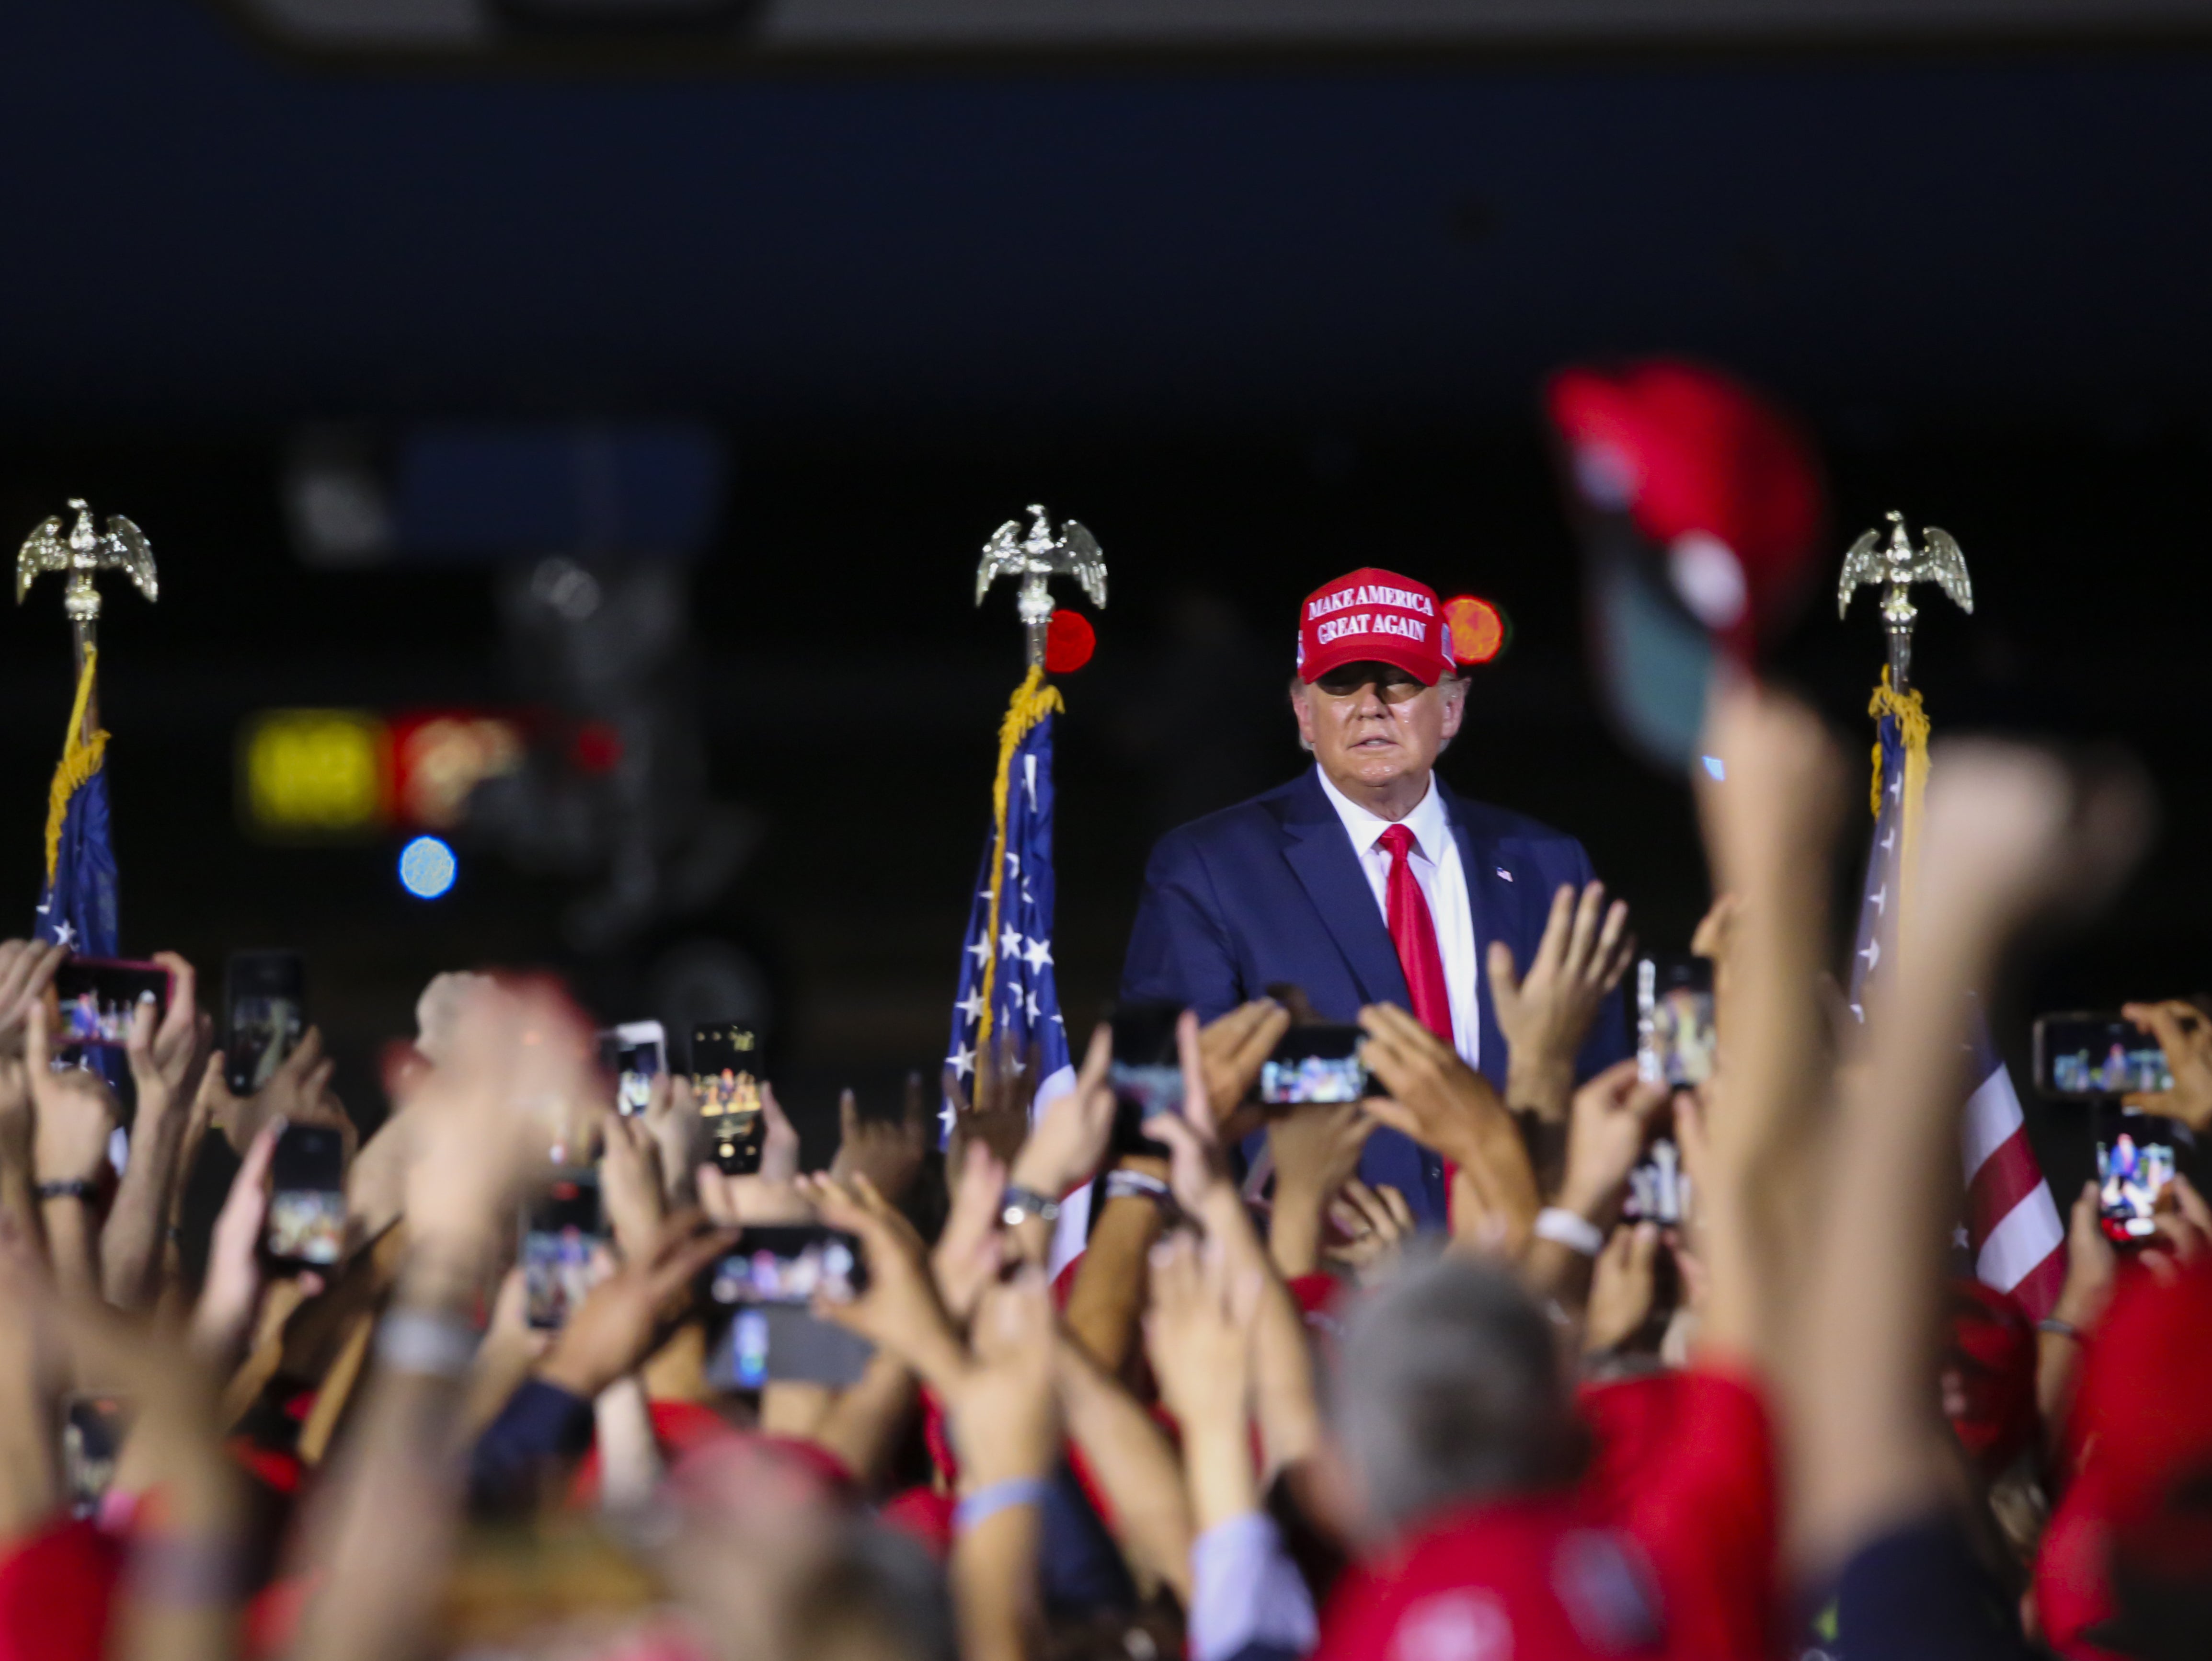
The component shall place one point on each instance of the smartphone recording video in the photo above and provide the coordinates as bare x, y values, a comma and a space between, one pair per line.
100, 996
724, 1080
1146, 1073
763, 1289
307, 1225
265, 996
1314, 1065
560, 1234
1658, 1190
789, 1263
2133, 1165
1676, 1043
636, 1053
2087, 1057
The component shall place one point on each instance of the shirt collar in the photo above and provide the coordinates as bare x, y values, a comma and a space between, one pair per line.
1429, 823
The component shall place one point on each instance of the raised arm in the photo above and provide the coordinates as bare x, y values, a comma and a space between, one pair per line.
2006, 834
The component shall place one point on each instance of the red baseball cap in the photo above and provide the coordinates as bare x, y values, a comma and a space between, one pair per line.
2141, 1435
1371, 616
1719, 480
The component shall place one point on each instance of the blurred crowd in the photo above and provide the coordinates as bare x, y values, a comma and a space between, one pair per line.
1260, 1415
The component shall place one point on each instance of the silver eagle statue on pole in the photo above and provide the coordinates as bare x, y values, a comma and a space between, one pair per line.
1036, 556
82, 551
1894, 565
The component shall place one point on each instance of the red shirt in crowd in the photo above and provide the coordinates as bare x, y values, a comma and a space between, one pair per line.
1666, 1547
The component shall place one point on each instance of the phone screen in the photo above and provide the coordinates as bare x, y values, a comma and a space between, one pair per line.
724, 1081
98, 997
764, 1285
2133, 1165
560, 1234
636, 1054
1312, 1065
765, 1343
93, 1429
1146, 1073
789, 1263
2092, 1055
266, 993
1676, 1043
306, 1223
1658, 1190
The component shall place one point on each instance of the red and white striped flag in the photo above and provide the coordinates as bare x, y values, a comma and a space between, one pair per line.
2014, 1227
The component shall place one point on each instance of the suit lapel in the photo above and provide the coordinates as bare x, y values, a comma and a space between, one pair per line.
1499, 908
1320, 853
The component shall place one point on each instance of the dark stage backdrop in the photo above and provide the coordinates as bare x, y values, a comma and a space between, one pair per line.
851, 694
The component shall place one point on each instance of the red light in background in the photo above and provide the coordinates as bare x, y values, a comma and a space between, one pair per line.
1068, 643
1479, 630
597, 748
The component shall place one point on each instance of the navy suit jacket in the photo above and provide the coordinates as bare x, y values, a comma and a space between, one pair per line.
1270, 890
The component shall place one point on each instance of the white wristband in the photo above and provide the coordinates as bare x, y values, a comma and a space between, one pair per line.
1566, 1228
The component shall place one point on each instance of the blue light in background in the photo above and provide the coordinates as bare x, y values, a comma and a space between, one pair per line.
1715, 768
426, 867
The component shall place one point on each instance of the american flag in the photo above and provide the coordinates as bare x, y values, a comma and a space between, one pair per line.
1006, 982
2013, 1226
77, 907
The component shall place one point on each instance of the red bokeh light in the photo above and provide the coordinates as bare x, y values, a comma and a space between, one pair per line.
1068, 644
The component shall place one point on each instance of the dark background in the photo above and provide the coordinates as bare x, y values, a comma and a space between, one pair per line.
1255, 322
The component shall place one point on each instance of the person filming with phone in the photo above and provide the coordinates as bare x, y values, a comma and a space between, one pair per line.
1368, 881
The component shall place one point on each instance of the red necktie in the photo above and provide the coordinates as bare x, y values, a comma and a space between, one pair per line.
1413, 932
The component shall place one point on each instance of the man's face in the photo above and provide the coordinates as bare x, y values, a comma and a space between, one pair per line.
1372, 723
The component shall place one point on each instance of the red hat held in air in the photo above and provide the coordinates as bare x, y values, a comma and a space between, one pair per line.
1372, 616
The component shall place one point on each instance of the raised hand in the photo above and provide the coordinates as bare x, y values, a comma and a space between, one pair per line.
1623, 1285
629, 1183
1441, 1102
27, 968
1611, 1120
490, 1112
628, 1315
890, 1154
672, 1117
900, 1311
999, 1113
1545, 1013
1231, 1048
1069, 1143
224, 1313
970, 1249
2186, 1036
1003, 1409
1316, 1149
1375, 1223
298, 1091
73, 1111
766, 1196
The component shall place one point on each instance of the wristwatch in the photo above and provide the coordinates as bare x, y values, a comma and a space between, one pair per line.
1017, 1205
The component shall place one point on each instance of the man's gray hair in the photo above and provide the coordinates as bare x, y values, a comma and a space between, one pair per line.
1450, 1390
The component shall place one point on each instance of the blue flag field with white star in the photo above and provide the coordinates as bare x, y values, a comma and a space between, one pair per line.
1006, 980
77, 907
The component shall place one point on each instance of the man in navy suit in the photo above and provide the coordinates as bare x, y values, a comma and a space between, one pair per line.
1367, 881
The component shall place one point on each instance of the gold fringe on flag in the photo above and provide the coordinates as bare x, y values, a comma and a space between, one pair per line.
1912, 729
1034, 699
81, 759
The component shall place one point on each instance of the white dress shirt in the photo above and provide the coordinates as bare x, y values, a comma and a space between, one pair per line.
1436, 863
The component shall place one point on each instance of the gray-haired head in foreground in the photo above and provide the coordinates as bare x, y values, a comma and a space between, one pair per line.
1450, 1390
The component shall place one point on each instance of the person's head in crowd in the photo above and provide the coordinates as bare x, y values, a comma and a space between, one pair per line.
1450, 1392
1376, 696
